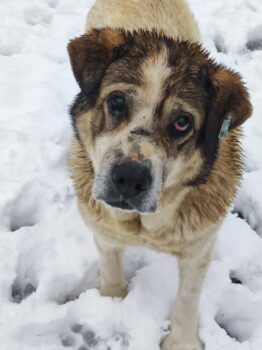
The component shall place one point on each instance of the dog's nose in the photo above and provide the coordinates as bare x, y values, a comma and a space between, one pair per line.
131, 178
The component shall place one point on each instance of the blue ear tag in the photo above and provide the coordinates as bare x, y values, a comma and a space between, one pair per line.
224, 128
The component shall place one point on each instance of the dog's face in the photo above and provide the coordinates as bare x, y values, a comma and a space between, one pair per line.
149, 113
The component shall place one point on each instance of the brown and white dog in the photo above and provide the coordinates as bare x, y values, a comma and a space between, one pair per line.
148, 166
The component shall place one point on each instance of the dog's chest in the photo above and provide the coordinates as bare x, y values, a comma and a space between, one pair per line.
156, 231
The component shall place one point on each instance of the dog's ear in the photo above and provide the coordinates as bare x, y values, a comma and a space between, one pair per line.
228, 96
91, 54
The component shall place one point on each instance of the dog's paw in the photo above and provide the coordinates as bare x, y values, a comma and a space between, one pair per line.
173, 343
114, 291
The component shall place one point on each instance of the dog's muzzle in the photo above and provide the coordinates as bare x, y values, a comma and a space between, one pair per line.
129, 186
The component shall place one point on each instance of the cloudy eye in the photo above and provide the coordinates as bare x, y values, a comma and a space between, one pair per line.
181, 125
182, 122
117, 106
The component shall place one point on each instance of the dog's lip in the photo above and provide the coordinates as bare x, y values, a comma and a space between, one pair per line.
120, 204
124, 205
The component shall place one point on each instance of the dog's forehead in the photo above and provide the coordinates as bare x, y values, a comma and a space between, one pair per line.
161, 70
139, 69
155, 71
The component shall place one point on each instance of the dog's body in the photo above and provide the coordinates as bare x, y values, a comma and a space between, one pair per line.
173, 18
191, 177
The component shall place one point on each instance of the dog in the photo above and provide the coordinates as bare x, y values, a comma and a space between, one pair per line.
156, 159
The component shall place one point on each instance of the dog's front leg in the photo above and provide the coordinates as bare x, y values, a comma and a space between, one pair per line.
112, 281
193, 266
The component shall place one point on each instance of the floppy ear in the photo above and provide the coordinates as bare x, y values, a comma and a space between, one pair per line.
228, 97
231, 97
91, 54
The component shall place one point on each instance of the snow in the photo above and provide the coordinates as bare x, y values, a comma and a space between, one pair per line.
49, 264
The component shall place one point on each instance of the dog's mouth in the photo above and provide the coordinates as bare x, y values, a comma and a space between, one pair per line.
120, 204
124, 205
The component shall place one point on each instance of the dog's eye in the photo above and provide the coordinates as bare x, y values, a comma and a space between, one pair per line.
117, 106
181, 125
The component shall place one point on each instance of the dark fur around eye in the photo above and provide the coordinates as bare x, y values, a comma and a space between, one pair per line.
117, 106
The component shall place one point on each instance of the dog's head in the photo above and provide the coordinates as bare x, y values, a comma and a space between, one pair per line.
149, 113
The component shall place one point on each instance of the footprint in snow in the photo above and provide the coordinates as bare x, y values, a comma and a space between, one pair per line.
254, 41
220, 44
239, 312
21, 292
81, 337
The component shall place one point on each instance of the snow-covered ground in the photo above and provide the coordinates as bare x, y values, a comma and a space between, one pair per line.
48, 262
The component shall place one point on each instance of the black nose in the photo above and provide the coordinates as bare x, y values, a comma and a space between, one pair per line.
131, 178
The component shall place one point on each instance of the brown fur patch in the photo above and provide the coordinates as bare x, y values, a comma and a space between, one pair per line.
90, 54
